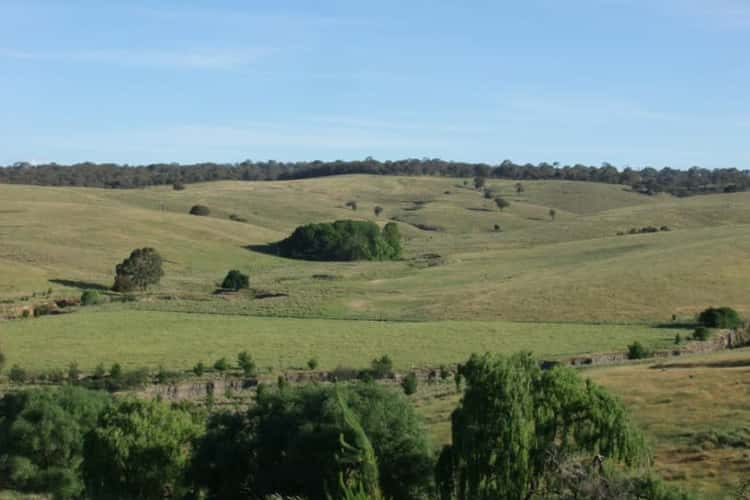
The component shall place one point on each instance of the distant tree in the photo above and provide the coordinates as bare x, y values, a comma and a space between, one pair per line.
409, 383
519, 188
41, 439
382, 367
479, 182
377, 210
515, 421
139, 449
720, 317
488, 194
178, 186
199, 210
312, 363
701, 333
91, 298
552, 213
392, 236
497, 227
74, 373
17, 375
199, 368
501, 202
221, 364
636, 350
352, 204
141, 269
235, 280
246, 364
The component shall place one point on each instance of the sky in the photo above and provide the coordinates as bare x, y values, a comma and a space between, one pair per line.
631, 82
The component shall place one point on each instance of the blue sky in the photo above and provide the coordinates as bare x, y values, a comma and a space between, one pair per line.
632, 82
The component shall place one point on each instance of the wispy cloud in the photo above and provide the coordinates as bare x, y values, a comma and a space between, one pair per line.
206, 59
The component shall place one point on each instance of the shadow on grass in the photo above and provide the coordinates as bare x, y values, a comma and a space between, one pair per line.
683, 325
730, 363
268, 249
84, 285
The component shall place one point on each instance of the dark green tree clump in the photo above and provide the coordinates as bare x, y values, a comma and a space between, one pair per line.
141, 269
306, 441
199, 210
720, 317
343, 240
139, 449
516, 423
91, 298
636, 350
41, 439
235, 280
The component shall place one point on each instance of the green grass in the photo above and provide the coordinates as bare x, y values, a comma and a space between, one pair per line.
571, 269
179, 340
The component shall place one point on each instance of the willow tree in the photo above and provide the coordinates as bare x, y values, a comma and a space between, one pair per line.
516, 423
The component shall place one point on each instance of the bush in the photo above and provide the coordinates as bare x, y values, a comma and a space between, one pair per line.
501, 202
343, 240
201, 210
382, 367
444, 372
701, 333
496, 227
73, 373
636, 350
409, 384
17, 375
235, 280
42, 310
91, 298
221, 364
312, 363
178, 186
678, 339
141, 269
720, 317
115, 371
246, 363
352, 204
199, 368
237, 218
377, 210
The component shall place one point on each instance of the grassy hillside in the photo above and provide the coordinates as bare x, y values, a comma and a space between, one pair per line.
573, 268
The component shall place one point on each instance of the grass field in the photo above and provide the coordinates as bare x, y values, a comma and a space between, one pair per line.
179, 340
572, 268
694, 412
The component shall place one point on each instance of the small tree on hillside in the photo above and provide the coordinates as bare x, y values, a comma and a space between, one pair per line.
720, 317
552, 213
235, 280
178, 186
501, 202
519, 188
141, 269
352, 204
199, 210
377, 210
479, 182
392, 236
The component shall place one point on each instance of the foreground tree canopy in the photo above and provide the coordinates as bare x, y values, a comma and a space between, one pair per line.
516, 424
343, 240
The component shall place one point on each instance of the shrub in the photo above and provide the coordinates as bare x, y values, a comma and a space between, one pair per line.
73, 373
115, 371
237, 218
501, 202
26, 314
377, 210
678, 339
199, 368
720, 317
178, 186
246, 364
497, 227
382, 367
636, 350
444, 372
352, 204
701, 333
343, 240
488, 194
17, 375
479, 182
221, 364
99, 372
164, 376
235, 280
409, 383
201, 210
90, 298
664, 228
42, 310
141, 269
312, 363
